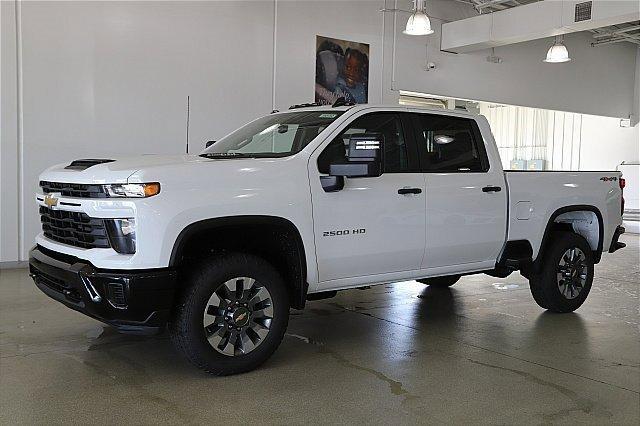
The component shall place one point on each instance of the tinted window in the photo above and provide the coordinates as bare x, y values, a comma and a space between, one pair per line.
388, 125
450, 144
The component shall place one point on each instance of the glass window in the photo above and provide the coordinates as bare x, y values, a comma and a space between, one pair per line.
386, 124
275, 135
451, 144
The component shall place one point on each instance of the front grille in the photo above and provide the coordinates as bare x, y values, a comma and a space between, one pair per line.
62, 257
76, 190
58, 285
73, 228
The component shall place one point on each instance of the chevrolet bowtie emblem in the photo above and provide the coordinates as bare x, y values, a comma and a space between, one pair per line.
50, 200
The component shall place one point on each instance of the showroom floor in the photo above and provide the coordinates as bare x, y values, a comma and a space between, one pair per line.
403, 353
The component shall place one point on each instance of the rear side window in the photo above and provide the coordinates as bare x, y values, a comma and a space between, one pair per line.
450, 144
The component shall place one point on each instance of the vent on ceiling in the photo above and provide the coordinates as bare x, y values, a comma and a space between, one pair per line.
583, 11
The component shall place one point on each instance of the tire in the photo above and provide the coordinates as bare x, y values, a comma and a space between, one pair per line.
563, 280
440, 282
245, 326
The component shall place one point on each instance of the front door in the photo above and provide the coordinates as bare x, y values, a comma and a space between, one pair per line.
466, 198
373, 225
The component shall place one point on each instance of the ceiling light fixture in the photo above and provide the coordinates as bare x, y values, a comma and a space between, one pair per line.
558, 52
418, 23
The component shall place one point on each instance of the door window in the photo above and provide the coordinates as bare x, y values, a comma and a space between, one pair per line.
450, 144
389, 125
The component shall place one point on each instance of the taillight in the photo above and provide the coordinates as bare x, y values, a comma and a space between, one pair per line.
623, 183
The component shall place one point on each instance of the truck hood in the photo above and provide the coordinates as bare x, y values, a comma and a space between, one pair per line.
118, 170
180, 170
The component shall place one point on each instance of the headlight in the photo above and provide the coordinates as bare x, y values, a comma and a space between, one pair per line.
133, 190
122, 234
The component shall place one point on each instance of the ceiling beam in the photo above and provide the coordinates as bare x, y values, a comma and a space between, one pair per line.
537, 20
616, 40
491, 3
616, 32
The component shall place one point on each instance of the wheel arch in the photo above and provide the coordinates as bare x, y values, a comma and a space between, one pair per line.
570, 217
274, 238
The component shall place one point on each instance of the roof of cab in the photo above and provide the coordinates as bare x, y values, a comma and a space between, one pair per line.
392, 107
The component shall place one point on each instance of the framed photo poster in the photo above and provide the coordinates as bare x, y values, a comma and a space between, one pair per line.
342, 70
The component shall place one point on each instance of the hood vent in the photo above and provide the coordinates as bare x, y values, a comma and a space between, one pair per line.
86, 163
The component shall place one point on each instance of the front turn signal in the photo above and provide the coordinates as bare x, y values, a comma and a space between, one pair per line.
151, 189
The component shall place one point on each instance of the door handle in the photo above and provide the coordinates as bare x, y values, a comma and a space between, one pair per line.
491, 189
405, 191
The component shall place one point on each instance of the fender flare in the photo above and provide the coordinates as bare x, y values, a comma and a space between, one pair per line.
300, 286
573, 208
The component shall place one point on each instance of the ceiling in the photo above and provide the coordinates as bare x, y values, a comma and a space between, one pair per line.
488, 6
627, 32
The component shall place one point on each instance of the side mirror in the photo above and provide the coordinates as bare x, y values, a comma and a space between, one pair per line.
209, 143
364, 159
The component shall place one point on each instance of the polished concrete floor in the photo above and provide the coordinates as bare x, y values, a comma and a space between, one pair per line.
482, 352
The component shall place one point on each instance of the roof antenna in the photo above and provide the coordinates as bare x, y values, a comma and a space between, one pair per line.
187, 124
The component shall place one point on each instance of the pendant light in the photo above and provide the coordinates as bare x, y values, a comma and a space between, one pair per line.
418, 23
558, 52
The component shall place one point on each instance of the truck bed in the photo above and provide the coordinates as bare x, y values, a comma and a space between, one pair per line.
537, 197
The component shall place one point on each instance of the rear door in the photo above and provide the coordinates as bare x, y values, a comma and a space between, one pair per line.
466, 197
374, 225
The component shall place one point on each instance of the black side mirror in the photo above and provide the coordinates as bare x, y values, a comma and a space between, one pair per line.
209, 143
332, 183
364, 159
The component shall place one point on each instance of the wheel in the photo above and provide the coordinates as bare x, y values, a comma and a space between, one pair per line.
233, 314
564, 279
440, 282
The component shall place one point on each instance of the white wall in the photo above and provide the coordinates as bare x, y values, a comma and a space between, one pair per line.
604, 144
8, 136
111, 78
298, 22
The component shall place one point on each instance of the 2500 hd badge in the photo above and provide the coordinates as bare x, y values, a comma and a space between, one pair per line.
344, 232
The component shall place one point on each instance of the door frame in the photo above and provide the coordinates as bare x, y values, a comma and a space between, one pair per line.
314, 173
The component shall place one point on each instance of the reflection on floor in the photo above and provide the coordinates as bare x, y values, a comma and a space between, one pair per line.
481, 352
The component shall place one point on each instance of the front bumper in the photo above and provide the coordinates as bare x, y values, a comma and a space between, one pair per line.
133, 301
615, 244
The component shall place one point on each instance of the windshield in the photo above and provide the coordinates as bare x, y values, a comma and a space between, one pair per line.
276, 135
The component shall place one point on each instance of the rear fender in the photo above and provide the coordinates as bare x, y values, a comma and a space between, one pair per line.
584, 220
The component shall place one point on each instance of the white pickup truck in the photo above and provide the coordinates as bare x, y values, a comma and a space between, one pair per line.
299, 204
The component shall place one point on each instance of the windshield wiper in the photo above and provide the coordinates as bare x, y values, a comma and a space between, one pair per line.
224, 155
